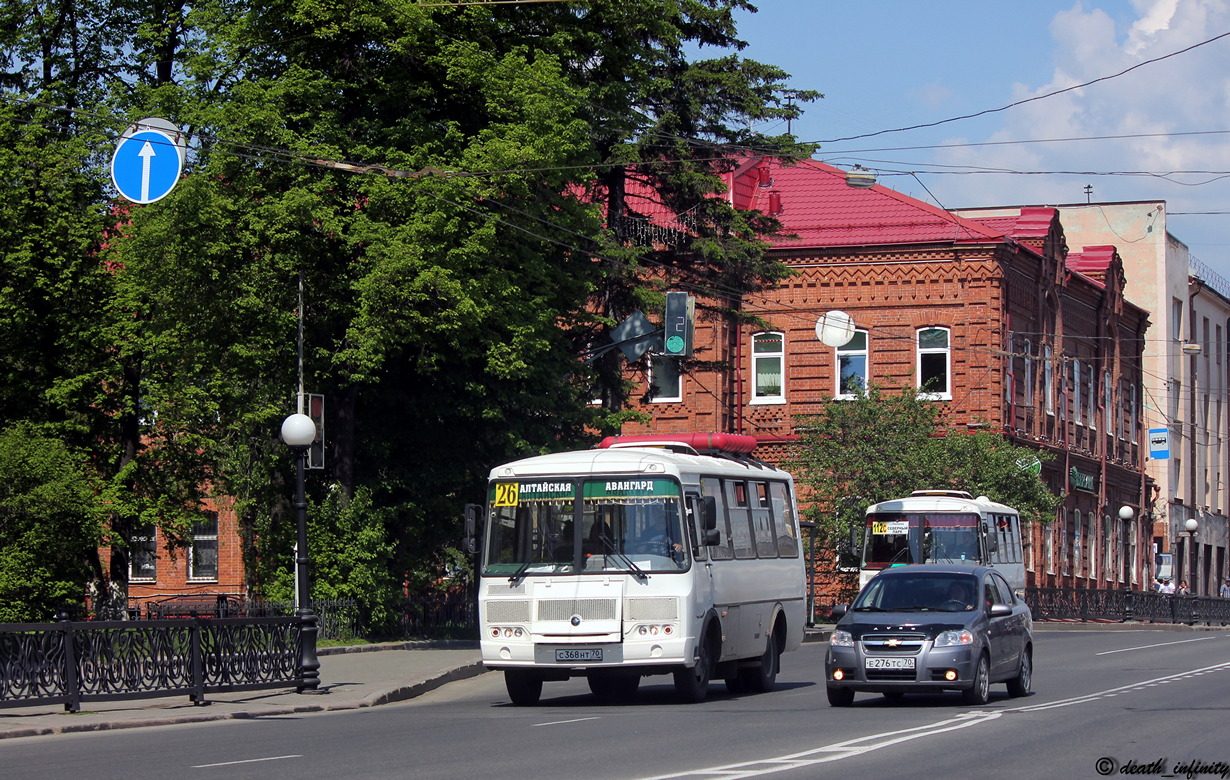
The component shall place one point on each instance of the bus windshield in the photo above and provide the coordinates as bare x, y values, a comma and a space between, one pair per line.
918, 537
563, 527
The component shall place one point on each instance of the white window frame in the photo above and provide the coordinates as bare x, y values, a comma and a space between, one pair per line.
1029, 374
944, 394
846, 353
1091, 406
199, 543
1048, 378
1108, 403
659, 365
1076, 393
757, 357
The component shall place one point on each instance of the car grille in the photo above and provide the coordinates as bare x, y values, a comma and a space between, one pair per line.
893, 644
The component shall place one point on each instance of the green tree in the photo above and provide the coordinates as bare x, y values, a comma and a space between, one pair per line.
446, 186
49, 526
883, 445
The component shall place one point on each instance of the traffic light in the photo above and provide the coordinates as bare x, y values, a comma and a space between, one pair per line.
678, 324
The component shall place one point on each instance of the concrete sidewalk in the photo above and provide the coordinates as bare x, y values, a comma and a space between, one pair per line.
350, 678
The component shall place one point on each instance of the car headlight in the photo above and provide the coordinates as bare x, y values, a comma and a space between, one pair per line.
953, 638
841, 638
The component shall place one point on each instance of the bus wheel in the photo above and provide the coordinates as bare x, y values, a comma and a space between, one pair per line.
692, 684
524, 688
762, 677
614, 687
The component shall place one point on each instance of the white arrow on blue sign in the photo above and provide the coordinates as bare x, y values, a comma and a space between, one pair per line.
146, 165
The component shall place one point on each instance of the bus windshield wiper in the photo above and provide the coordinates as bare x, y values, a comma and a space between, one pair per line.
631, 567
519, 574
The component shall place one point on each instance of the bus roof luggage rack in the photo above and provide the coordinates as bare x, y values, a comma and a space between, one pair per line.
943, 493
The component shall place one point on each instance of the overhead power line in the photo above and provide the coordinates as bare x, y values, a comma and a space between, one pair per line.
1028, 100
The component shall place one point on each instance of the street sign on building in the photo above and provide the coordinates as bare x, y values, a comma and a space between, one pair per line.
148, 161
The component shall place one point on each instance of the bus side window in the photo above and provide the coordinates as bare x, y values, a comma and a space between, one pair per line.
738, 511
762, 521
711, 486
783, 521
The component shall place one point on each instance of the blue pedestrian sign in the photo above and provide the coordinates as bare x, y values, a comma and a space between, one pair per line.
147, 162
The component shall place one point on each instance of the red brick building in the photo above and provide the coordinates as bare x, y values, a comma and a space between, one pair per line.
166, 576
995, 318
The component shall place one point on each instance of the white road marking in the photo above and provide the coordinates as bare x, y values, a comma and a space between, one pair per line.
561, 722
1160, 644
245, 761
861, 745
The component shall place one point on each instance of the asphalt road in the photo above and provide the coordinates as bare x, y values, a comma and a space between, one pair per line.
1109, 701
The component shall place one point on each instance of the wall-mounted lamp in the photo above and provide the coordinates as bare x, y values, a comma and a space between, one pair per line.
1191, 348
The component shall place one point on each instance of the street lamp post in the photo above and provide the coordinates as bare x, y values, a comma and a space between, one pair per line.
1126, 514
298, 431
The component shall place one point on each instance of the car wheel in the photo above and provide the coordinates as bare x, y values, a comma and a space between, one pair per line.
980, 692
1019, 686
692, 684
840, 697
763, 677
524, 688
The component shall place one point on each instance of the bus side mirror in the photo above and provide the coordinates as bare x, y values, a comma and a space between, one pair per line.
710, 536
472, 513
708, 513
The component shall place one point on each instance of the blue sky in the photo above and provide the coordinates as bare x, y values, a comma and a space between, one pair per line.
885, 64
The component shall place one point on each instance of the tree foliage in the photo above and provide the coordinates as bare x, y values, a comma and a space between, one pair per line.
436, 196
49, 526
884, 444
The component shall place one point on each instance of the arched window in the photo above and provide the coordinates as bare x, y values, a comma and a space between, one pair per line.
934, 364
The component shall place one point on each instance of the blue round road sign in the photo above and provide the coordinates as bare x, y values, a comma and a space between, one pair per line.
146, 166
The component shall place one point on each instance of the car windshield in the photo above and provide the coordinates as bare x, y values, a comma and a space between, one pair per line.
919, 593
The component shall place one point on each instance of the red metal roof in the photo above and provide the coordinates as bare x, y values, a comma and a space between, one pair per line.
818, 209
821, 210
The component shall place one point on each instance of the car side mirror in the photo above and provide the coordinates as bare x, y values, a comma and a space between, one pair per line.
840, 611
1000, 610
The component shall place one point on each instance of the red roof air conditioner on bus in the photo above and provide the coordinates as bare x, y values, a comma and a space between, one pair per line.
733, 443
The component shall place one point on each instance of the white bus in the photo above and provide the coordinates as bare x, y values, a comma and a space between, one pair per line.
943, 526
673, 554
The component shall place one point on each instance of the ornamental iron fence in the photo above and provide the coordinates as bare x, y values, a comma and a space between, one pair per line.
71, 662
1087, 604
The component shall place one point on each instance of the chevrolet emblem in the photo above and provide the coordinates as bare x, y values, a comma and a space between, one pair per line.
892, 642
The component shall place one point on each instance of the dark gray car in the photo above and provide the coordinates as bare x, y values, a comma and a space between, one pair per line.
931, 628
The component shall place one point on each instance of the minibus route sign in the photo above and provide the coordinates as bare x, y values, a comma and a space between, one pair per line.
891, 527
